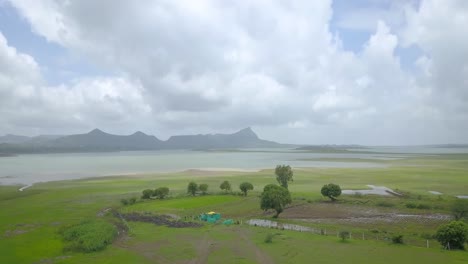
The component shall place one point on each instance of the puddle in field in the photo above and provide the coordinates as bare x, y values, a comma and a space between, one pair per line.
377, 190
273, 224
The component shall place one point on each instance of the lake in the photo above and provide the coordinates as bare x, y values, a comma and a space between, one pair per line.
33, 168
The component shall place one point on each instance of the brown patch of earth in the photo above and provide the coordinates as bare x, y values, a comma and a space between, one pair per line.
335, 212
159, 220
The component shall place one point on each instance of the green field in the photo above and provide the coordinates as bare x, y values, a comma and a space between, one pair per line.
30, 221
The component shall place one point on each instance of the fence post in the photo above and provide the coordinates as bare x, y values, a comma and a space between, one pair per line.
362, 236
427, 243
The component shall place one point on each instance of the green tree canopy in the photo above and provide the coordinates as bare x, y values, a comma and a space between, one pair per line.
460, 209
284, 174
275, 197
452, 235
161, 192
192, 188
147, 194
203, 188
331, 191
245, 187
225, 186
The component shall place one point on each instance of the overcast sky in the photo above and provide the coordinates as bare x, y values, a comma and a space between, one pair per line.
355, 72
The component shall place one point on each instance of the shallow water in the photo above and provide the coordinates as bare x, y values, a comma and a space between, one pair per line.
33, 168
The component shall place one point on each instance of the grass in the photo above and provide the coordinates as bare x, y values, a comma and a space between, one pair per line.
30, 221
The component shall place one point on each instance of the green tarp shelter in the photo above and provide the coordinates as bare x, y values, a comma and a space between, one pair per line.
210, 217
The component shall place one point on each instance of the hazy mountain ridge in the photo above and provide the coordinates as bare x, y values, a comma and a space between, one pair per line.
97, 140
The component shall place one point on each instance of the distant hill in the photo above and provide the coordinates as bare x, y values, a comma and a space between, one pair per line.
97, 140
13, 139
244, 138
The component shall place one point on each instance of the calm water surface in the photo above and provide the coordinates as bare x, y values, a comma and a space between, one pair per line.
32, 168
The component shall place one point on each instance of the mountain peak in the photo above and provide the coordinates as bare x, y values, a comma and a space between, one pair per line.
139, 133
96, 131
247, 132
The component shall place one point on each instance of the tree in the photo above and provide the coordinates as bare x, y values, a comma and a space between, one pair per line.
331, 191
452, 235
460, 209
161, 192
192, 188
245, 187
146, 194
275, 197
203, 188
225, 185
284, 174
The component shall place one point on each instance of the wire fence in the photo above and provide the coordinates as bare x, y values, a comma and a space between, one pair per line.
415, 239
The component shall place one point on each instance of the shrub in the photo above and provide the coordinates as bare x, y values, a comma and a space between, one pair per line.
132, 200
397, 239
89, 236
269, 238
146, 194
411, 205
424, 206
452, 235
460, 209
344, 235
124, 202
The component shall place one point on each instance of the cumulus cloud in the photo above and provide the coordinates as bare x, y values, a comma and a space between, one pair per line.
205, 66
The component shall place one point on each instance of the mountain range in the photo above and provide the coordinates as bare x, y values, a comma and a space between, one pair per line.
97, 140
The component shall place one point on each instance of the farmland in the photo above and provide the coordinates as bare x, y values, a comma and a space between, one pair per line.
31, 220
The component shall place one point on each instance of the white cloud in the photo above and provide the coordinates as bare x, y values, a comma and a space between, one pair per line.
219, 66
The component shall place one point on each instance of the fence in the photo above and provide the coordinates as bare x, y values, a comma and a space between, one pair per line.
413, 240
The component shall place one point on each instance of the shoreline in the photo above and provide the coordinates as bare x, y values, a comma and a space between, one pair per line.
192, 171
25, 187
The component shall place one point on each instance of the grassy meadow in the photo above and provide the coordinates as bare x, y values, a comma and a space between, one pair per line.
30, 221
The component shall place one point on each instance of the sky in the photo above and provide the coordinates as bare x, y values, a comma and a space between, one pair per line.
372, 72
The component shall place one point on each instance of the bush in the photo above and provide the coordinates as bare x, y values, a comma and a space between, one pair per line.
132, 200
344, 235
417, 206
452, 235
124, 202
147, 194
89, 236
460, 209
397, 239
269, 238
424, 206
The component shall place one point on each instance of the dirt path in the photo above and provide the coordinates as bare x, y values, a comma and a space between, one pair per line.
204, 248
260, 256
